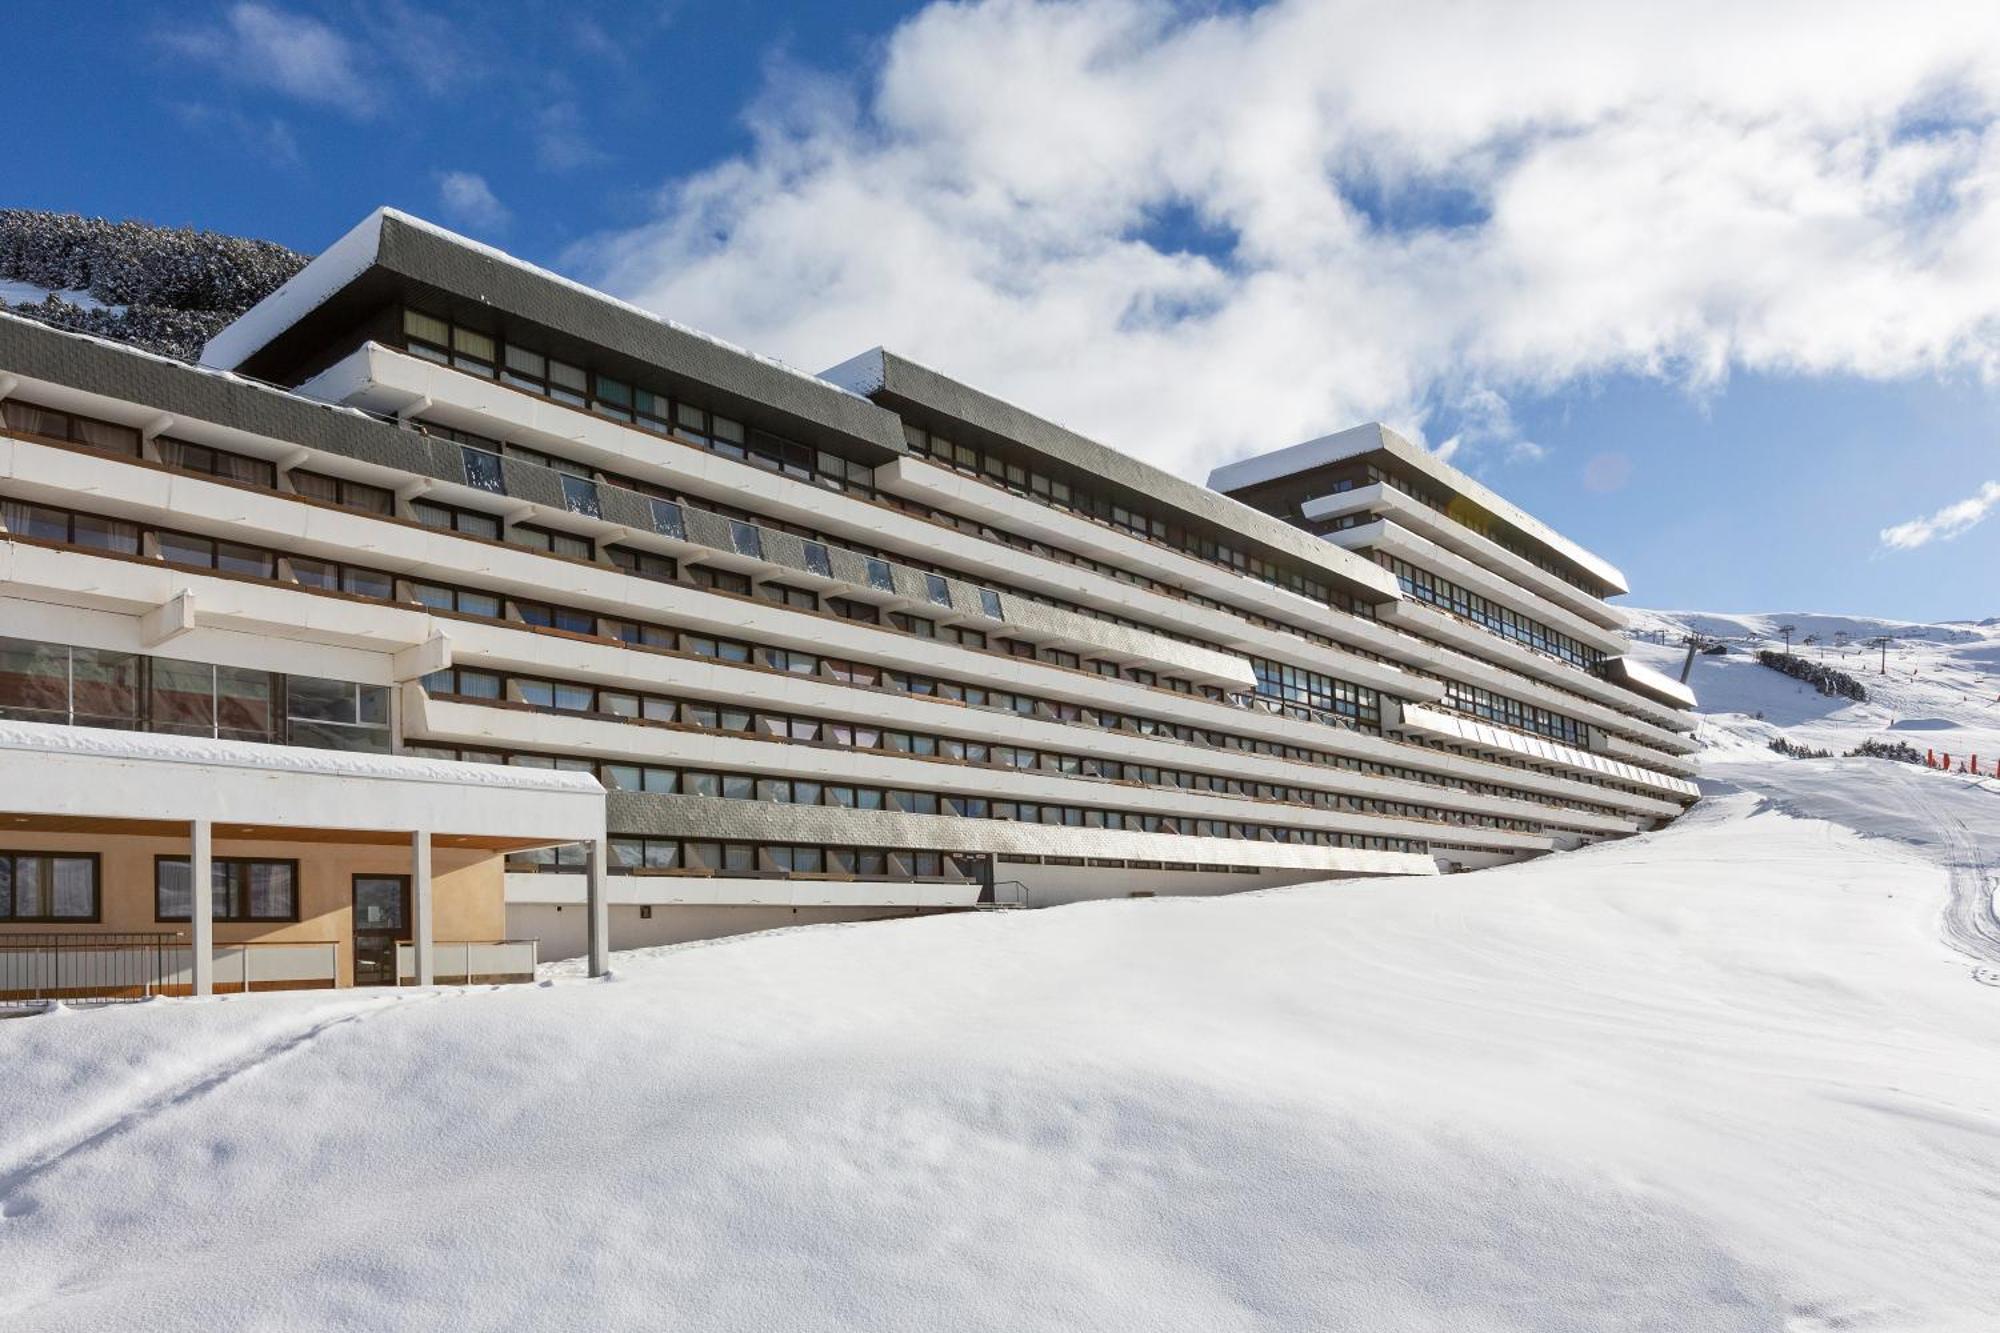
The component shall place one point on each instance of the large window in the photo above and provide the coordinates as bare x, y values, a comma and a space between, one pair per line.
470, 522
95, 687
212, 462
198, 552
48, 886
340, 491
244, 889
27, 419
337, 714
48, 524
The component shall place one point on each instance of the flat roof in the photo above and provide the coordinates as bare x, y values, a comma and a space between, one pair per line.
391, 252
1374, 437
900, 384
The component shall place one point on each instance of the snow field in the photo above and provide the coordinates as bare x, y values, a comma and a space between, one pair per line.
1729, 1076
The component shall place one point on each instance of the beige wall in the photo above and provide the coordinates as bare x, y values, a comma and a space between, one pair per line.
466, 888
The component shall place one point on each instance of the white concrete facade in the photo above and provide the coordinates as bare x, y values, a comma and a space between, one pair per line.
1177, 723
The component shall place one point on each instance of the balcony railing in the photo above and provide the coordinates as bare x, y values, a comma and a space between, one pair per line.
471, 962
103, 967
91, 967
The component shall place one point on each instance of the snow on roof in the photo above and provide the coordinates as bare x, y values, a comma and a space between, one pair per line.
1373, 436
341, 263
1648, 681
860, 375
102, 743
350, 256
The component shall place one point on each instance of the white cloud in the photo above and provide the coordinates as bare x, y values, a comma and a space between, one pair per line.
1946, 523
292, 53
1678, 191
466, 197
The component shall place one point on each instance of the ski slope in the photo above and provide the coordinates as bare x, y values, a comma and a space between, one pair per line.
1741, 1074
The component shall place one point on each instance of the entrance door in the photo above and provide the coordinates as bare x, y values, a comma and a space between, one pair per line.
381, 918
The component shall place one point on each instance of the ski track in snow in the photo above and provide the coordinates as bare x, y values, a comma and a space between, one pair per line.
139, 1105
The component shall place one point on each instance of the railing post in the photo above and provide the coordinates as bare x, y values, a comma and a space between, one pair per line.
597, 912
420, 908
201, 905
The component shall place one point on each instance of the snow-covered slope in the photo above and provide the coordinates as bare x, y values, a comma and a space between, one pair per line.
1941, 689
1740, 1074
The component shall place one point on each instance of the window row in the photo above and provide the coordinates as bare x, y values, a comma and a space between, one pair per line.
188, 456
97, 687
483, 464
696, 856
1513, 713
1060, 494
621, 400
98, 533
1468, 516
472, 683
1504, 621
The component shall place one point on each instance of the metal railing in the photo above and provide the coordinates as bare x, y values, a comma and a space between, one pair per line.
93, 967
1008, 893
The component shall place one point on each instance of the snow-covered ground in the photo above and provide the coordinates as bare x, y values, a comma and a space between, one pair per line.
1741, 1074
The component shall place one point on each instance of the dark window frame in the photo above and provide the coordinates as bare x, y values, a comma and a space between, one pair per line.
96, 859
298, 888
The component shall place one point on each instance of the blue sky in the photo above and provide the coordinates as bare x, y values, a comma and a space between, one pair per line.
1724, 322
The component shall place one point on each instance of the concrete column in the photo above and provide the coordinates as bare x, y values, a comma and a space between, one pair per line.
597, 912
201, 909
420, 908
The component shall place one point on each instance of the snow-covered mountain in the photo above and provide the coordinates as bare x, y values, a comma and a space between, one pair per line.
167, 289
1739, 1074
1931, 686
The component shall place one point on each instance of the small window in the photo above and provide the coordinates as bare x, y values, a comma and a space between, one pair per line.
614, 399
567, 384
426, 328
937, 589
989, 603
745, 539
321, 574
817, 561
177, 548
48, 886
880, 576
472, 351
721, 580
525, 368
106, 534
645, 564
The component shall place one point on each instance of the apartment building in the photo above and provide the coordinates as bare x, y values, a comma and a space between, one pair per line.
524, 618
